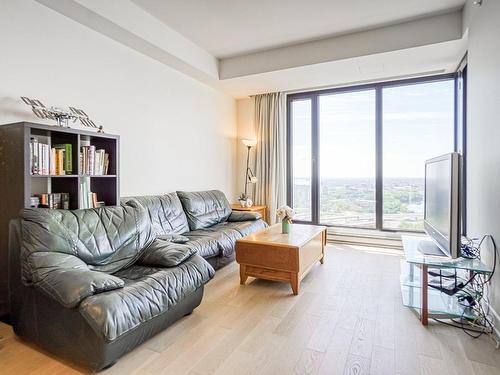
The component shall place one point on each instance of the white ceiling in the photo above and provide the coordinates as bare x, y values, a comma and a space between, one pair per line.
421, 61
233, 27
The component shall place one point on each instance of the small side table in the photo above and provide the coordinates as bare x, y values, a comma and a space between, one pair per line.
426, 301
260, 209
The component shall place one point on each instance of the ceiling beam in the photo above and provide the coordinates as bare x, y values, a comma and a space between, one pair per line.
128, 24
416, 33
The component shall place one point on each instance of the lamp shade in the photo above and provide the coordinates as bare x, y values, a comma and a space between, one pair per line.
249, 142
253, 180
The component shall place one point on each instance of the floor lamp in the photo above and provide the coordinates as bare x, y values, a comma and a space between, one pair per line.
249, 175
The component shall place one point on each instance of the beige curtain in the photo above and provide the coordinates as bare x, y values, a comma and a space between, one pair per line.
270, 165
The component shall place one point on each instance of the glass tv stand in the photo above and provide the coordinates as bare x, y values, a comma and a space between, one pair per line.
426, 301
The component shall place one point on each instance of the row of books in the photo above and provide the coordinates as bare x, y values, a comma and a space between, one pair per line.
60, 201
88, 199
51, 200
94, 162
56, 160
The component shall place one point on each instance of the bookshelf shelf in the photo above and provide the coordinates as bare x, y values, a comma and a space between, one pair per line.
54, 175
71, 175
18, 184
98, 175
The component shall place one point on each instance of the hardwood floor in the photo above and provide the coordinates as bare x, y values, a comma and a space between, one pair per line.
347, 319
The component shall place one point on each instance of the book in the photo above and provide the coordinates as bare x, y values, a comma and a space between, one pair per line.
65, 201
67, 161
34, 156
52, 165
43, 151
59, 162
106, 163
88, 199
91, 162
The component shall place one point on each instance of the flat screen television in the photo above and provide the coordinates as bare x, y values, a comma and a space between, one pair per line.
442, 206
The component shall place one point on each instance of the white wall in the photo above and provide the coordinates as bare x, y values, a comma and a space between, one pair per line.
176, 133
483, 128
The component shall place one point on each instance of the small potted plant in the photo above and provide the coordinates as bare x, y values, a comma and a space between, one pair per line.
285, 214
243, 199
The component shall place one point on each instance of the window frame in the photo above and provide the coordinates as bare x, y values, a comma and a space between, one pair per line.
314, 95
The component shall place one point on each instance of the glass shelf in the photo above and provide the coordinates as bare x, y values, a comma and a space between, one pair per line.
440, 304
414, 279
412, 255
407, 281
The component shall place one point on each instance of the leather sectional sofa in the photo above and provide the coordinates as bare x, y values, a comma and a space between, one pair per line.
91, 285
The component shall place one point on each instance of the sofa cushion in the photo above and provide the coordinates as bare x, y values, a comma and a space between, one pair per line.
174, 238
221, 236
244, 216
205, 246
165, 212
165, 254
205, 208
67, 279
148, 292
247, 227
107, 239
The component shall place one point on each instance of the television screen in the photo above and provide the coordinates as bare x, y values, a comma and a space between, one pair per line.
438, 195
442, 205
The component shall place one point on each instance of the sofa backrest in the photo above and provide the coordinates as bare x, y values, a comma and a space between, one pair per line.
107, 239
204, 208
165, 212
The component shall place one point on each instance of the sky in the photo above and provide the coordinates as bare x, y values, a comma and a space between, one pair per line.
417, 125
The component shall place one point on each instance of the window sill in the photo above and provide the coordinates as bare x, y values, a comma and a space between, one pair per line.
367, 237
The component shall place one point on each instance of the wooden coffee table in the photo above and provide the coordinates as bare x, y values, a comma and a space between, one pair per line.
272, 255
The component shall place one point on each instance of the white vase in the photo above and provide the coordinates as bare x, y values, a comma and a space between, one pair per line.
243, 203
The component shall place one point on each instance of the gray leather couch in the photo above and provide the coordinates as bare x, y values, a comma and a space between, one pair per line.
204, 218
91, 285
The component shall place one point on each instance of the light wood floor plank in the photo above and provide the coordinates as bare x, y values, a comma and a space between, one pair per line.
347, 319
383, 361
432, 366
337, 352
356, 365
362, 341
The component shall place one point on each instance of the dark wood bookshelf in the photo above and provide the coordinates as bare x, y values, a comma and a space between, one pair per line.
18, 185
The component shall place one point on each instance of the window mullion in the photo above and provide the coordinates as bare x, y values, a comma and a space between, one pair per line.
315, 159
379, 186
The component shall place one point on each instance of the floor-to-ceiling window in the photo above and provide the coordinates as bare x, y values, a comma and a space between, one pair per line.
418, 124
356, 154
347, 158
300, 113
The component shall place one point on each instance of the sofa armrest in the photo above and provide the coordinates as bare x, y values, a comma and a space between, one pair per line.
67, 279
165, 254
244, 216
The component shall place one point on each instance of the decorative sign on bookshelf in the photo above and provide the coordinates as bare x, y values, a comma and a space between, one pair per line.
60, 115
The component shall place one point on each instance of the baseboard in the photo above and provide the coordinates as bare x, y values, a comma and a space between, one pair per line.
496, 320
347, 239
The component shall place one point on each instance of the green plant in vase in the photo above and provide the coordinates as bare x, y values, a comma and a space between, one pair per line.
243, 199
285, 214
